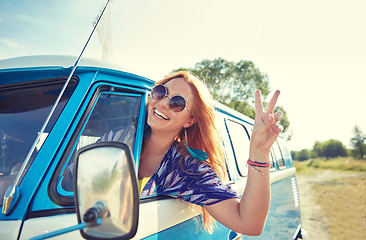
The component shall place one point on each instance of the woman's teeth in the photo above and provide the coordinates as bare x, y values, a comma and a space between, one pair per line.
160, 115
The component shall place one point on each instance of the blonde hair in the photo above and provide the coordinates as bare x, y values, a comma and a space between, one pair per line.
203, 134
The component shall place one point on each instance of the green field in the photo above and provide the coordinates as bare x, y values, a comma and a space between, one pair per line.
337, 164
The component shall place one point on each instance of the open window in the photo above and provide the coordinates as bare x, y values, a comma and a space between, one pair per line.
112, 115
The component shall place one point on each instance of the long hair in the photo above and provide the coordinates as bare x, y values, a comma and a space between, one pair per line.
203, 134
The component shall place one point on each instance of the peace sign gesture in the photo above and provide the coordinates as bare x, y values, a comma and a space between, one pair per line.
266, 128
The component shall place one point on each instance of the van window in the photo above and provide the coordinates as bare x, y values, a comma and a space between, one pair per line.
285, 152
24, 107
278, 155
273, 161
113, 118
240, 142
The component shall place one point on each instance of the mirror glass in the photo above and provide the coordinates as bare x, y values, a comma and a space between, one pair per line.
104, 172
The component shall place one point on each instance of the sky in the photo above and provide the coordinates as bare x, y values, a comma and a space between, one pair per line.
314, 51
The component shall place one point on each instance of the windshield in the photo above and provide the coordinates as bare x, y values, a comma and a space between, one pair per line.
23, 109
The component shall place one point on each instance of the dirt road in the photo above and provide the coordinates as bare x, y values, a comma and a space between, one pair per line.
312, 217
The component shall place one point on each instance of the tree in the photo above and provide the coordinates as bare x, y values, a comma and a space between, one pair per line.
358, 142
234, 84
317, 149
303, 155
333, 148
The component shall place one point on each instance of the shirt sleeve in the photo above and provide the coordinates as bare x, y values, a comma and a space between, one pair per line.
190, 180
123, 134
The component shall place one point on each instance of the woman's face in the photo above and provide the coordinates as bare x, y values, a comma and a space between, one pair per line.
161, 117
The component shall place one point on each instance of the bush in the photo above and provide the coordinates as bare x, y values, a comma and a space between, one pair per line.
333, 148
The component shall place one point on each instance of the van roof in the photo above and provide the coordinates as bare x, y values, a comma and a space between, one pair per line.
54, 60
65, 63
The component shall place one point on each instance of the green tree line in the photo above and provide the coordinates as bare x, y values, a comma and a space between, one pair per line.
334, 148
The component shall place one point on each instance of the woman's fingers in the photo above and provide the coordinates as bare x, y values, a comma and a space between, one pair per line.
272, 103
266, 124
278, 116
258, 103
277, 128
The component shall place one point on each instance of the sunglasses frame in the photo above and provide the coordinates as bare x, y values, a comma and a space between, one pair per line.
170, 98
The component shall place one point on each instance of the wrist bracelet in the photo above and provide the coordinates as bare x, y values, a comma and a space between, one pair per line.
258, 164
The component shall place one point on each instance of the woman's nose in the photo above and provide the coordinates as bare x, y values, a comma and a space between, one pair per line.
165, 102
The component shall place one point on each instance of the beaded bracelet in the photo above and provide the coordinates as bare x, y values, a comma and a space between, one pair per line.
255, 165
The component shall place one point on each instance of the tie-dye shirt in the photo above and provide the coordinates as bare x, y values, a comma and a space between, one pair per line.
187, 178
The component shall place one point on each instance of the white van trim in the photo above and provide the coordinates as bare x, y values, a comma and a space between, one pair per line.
10, 229
156, 216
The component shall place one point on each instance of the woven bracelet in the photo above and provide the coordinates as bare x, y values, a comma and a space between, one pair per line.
258, 164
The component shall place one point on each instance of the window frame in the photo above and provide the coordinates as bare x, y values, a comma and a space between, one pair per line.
53, 186
276, 149
239, 166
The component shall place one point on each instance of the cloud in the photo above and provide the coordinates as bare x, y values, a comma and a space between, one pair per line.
10, 44
10, 48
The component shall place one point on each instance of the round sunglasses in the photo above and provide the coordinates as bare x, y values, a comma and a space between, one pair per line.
176, 103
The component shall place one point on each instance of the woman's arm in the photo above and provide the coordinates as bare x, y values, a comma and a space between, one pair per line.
248, 215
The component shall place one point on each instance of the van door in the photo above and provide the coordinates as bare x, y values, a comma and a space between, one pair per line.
109, 109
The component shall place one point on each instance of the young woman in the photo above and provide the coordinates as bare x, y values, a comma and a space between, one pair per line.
181, 120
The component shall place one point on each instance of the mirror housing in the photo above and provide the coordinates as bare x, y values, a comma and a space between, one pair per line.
104, 176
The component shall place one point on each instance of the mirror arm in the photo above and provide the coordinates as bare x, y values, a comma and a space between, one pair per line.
92, 217
60, 232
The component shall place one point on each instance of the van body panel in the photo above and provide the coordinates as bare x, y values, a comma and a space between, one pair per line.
36, 226
159, 215
10, 229
192, 229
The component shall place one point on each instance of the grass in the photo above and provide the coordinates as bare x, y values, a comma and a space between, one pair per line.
337, 164
343, 203
342, 200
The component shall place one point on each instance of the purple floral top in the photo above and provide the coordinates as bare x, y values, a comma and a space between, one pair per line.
187, 178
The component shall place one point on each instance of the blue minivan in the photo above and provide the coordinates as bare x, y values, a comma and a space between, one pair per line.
49, 131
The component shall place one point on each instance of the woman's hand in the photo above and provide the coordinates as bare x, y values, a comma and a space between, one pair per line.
265, 130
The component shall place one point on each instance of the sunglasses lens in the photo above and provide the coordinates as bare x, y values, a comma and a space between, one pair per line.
177, 103
158, 92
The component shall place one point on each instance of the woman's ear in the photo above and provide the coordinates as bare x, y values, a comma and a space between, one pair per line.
190, 122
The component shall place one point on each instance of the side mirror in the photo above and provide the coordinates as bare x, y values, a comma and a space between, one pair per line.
106, 189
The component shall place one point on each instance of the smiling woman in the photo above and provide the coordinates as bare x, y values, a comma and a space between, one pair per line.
166, 155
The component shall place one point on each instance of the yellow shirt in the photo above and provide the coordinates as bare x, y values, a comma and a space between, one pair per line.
142, 183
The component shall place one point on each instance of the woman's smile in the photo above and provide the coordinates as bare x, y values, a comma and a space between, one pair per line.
160, 114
